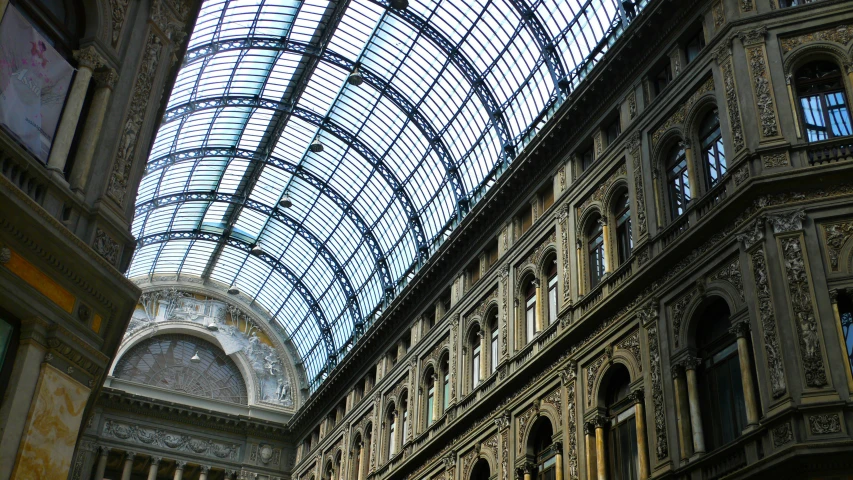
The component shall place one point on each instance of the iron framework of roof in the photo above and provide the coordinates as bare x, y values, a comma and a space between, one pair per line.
451, 90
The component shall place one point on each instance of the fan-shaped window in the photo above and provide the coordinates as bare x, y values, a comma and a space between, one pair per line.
185, 364
820, 87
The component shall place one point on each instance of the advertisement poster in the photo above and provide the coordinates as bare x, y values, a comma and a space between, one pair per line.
34, 80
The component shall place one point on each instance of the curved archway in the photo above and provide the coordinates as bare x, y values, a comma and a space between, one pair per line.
540, 453
481, 470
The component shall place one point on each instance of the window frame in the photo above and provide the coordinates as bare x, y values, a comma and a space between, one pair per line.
596, 258
624, 228
678, 181
713, 150
822, 95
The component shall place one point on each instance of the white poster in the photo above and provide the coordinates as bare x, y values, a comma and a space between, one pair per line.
34, 80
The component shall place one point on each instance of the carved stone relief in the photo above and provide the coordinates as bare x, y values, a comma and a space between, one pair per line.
504, 276
782, 434
572, 440
825, 424
799, 290
132, 127
741, 174
597, 196
631, 343
591, 374
836, 236
106, 247
841, 34
775, 160
719, 14
745, 5
555, 399
234, 329
677, 117
732, 105
767, 317
756, 56
118, 10
535, 256
634, 144
523, 421
662, 445
678, 316
730, 273
564, 245
179, 442
632, 104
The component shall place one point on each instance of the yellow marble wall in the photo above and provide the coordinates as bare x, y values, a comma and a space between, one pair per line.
52, 427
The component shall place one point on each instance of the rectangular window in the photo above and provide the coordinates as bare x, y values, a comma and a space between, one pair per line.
597, 265
694, 46
547, 197
552, 300
525, 220
825, 116
587, 159
530, 318
392, 438
612, 131
446, 398
624, 458
662, 78
430, 406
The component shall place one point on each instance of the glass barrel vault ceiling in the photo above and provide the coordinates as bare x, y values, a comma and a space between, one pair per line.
451, 90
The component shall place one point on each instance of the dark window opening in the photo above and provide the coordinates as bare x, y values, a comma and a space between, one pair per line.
713, 152
678, 182
662, 78
587, 159
694, 45
624, 240
595, 244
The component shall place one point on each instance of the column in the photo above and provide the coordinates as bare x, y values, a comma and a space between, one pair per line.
579, 263
690, 365
392, 449
105, 81
152, 469
691, 169
558, 460
529, 469
658, 205
205, 469
642, 438
833, 297
589, 438
741, 330
87, 60
436, 399
102, 463
179, 469
128, 465
681, 413
601, 446
484, 353
361, 465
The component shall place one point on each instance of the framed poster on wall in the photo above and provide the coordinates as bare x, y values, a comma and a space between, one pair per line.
34, 81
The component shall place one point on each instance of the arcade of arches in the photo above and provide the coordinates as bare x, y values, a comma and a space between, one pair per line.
426, 240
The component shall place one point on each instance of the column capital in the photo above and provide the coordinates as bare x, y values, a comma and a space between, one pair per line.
677, 370
106, 78
589, 428
88, 58
637, 396
205, 468
691, 363
180, 464
529, 467
129, 455
740, 329
558, 447
684, 143
753, 37
787, 222
156, 460
601, 421
481, 333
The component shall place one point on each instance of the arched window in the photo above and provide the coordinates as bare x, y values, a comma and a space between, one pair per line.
430, 380
539, 450
474, 343
820, 88
713, 153
677, 181
595, 252
329, 472
185, 364
551, 265
495, 335
721, 387
481, 470
530, 310
391, 428
624, 460
624, 238
357, 457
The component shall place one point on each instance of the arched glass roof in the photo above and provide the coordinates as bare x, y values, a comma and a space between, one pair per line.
451, 90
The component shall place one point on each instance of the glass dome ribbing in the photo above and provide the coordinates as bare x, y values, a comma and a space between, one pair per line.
451, 90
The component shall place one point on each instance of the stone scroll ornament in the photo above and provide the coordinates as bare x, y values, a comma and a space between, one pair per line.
234, 329
157, 438
753, 41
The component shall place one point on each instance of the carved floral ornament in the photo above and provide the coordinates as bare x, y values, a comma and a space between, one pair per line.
598, 196
841, 34
678, 117
836, 236
534, 259
165, 439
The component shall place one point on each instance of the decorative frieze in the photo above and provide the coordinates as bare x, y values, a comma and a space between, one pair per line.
677, 118
745, 5
767, 319
741, 173
787, 222
678, 309
523, 421
841, 34
775, 160
555, 399
719, 14
170, 440
535, 256
800, 294
824, 424
730, 273
631, 343
662, 445
835, 237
